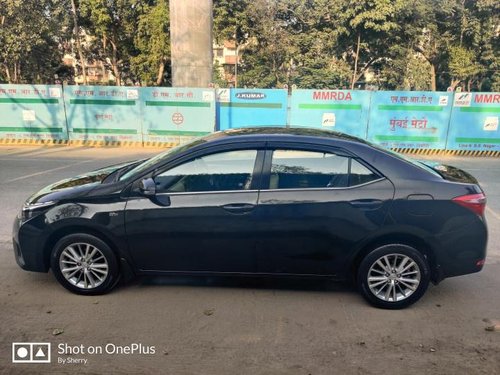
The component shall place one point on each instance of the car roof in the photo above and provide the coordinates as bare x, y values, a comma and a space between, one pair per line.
281, 133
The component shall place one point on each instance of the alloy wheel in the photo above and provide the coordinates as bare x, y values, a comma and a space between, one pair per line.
394, 277
83, 265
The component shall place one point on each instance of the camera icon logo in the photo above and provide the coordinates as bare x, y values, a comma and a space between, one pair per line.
31, 352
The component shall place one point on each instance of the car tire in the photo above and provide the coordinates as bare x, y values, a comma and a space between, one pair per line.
393, 276
84, 264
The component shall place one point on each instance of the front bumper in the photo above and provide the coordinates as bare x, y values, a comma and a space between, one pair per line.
28, 249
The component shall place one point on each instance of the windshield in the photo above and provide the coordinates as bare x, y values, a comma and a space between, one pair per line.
160, 157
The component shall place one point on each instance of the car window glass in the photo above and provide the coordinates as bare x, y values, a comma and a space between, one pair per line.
216, 172
360, 174
292, 169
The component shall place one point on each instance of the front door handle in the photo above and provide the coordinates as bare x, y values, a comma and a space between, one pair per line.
238, 208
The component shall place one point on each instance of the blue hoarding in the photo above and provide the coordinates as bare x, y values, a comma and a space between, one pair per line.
103, 113
342, 110
175, 115
409, 119
238, 108
474, 122
33, 112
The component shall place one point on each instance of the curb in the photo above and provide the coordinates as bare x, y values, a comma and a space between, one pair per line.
28, 142
416, 151
106, 143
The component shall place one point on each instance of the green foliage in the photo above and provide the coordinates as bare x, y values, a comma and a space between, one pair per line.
218, 79
31, 36
152, 41
404, 70
462, 64
394, 44
112, 25
229, 20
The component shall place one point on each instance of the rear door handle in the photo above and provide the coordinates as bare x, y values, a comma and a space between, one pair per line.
367, 204
238, 208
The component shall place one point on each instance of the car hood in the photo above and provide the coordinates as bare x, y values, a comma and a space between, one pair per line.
77, 186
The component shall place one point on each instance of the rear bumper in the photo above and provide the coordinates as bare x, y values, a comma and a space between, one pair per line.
28, 249
462, 252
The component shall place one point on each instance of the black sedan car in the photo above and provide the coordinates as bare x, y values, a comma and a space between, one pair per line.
262, 202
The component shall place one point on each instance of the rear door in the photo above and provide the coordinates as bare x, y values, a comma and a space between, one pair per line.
314, 205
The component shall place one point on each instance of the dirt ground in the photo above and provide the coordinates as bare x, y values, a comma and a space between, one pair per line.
237, 325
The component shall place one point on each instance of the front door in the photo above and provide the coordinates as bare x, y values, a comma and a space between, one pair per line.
201, 218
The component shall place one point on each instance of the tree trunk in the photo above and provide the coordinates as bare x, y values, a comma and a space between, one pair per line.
114, 63
454, 83
76, 32
7, 73
355, 73
462, 23
469, 84
161, 70
433, 77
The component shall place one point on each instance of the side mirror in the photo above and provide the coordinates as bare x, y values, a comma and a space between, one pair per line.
147, 187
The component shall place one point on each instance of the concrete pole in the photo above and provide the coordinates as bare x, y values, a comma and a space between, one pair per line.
191, 42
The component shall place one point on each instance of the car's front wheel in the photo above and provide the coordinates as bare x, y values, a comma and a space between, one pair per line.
393, 276
84, 264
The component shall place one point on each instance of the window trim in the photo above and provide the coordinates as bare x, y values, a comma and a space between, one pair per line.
267, 166
325, 188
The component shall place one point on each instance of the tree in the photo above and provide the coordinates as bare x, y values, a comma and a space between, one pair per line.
152, 42
33, 35
230, 20
268, 57
77, 38
368, 29
111, 25
404, 69
462, 66
316, 29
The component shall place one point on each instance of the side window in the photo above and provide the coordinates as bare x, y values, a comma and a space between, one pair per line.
216, 172
360, 174
294, 169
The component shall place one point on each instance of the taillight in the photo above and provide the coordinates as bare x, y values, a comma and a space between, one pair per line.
474, 202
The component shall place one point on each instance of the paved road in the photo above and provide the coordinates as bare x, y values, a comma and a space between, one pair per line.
239, 326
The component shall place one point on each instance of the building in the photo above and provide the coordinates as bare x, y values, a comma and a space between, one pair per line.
97, 73
226, 57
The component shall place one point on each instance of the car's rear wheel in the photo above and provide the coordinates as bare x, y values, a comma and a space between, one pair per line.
84, 264
393, 276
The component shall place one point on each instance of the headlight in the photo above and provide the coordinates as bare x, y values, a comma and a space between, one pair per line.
29, 211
